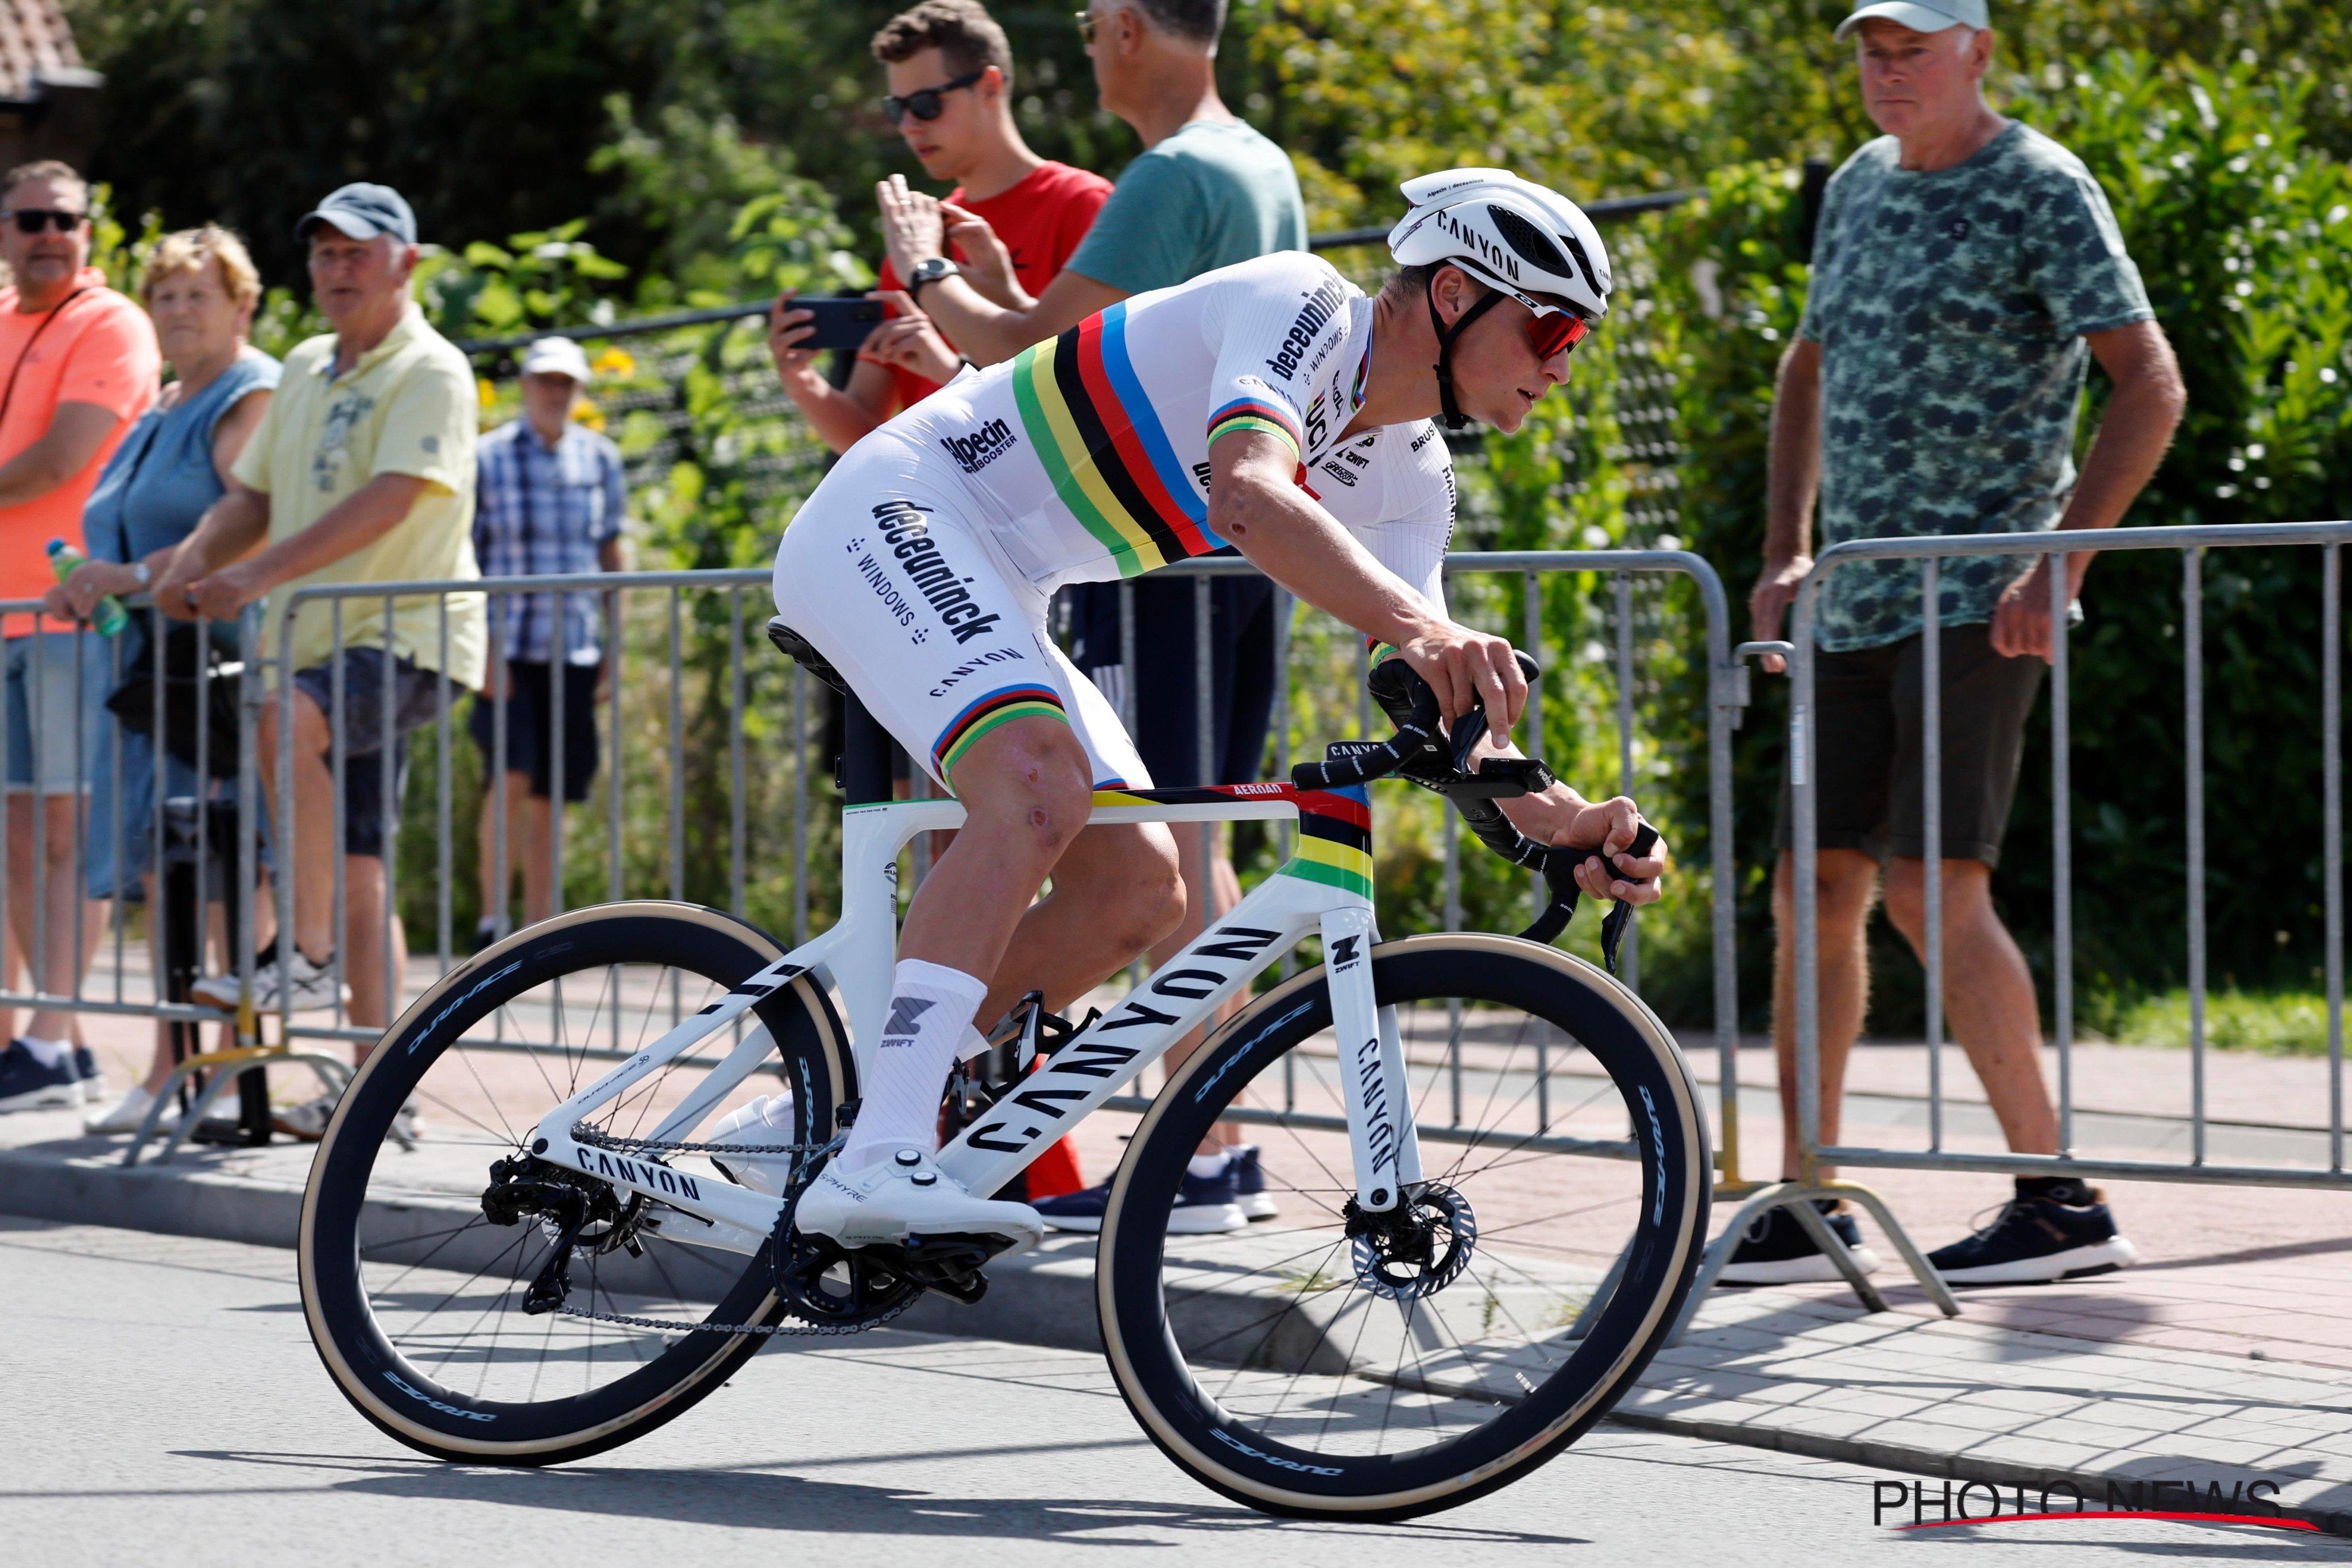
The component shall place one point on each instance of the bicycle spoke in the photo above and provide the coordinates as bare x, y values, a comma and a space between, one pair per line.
1426, 1361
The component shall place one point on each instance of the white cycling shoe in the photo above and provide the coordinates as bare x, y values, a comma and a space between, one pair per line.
907, 1196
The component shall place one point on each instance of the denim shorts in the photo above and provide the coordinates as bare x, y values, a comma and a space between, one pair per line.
52, 687
375, 683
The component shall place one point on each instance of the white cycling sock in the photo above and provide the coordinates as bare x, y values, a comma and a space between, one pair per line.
48, 1052
931, 1008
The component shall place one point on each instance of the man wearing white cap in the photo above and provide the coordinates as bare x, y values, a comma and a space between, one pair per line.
1965, 270
552, 500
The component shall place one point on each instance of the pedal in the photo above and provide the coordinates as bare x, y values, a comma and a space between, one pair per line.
951, 1264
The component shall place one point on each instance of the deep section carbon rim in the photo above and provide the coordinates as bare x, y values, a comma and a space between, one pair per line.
1384, 1363
417, 1288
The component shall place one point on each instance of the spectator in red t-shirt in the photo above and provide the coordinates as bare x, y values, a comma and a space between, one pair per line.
1014, 217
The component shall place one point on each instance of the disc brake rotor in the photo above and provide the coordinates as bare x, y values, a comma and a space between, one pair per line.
1415, 1249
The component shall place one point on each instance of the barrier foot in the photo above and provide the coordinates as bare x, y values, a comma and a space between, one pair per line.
1599, 1299
1930, 1282
226, 1067
1798, 1198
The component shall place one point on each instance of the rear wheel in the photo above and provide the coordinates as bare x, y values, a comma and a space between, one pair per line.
1324, 1364
414, 1294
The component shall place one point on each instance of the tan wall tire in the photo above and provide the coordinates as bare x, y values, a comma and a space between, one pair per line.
1245, 1463
387, 1387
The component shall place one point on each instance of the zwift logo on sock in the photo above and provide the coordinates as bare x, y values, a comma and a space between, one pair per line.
904, 1011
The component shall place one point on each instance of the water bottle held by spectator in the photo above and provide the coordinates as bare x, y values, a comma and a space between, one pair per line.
108, 616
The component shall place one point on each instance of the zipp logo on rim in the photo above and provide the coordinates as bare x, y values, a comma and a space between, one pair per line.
426, 1399
1262, 1456
1658, 1137
1239, 1052
458, 1001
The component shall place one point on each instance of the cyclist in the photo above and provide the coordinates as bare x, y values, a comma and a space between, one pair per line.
1270, 405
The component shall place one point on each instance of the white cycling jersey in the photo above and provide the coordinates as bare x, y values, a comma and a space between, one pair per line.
1088, 453
923, 565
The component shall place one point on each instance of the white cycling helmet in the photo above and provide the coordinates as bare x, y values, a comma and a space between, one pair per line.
1513, 235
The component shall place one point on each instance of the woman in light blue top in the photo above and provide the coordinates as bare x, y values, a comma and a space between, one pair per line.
201, 288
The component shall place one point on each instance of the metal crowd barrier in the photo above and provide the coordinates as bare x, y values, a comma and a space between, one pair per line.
1813, 1155
644, 726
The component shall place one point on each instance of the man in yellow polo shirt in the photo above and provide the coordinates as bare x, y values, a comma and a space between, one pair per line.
362, 471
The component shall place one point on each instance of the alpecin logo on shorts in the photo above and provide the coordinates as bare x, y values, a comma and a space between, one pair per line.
983, 447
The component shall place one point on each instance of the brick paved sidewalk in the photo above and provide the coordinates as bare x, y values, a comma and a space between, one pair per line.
1968, 1399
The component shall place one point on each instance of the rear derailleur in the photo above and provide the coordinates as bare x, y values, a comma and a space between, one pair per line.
575, 1211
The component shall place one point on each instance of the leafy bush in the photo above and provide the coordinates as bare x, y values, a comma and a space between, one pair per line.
2275, 1023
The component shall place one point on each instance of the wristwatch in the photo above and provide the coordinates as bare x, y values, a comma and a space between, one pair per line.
929, 270
141, 573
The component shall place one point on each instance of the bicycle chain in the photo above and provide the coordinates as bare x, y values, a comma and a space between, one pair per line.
672, 1326
597, 1140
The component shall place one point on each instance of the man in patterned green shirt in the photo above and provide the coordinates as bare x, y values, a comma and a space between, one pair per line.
1965, 270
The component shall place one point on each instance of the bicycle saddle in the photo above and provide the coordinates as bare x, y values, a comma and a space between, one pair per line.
802, 652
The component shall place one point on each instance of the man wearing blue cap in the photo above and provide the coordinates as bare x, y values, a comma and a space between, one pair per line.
1965, 270
362, 471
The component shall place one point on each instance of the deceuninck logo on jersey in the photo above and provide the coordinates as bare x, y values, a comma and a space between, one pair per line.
1313, 317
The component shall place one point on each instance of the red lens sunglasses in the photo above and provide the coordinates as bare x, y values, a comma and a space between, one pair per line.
1560, 330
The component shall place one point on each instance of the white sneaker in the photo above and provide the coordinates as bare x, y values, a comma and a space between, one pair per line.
307, 1121
314, 986
767, 1119
907, 1194
124, 1115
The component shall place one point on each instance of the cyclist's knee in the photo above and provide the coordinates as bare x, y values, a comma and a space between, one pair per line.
1029, 776
1157, 899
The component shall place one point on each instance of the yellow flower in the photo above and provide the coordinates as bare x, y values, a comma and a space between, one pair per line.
613, 361
589, 414
486, 390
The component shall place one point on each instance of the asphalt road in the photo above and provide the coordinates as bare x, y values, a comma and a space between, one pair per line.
165, 1406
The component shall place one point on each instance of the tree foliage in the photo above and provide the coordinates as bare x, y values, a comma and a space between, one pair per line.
717, 148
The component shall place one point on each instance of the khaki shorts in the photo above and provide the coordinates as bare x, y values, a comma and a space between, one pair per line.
1869, 716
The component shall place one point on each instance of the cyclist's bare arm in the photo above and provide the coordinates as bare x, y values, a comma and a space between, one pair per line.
1255, 501
1560, 816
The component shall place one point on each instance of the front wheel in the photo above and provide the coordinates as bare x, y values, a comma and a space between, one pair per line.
1313, 1366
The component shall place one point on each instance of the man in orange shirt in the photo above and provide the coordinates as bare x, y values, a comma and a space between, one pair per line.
78, 365
948, 72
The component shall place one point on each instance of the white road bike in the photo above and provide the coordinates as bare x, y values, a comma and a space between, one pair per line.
1488, 1160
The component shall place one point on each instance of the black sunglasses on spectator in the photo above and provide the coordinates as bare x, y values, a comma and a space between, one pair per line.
33, 220
924, 104
1086, 20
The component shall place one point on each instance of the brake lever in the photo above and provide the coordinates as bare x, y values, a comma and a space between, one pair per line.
1560, 876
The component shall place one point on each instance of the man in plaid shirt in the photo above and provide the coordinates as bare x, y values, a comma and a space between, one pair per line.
550, 500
